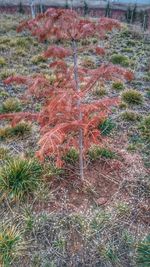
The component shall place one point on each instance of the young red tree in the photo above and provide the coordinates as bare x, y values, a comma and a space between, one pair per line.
66, 120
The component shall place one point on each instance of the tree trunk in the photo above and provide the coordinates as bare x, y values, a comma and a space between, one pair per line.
41, 6
75, 60
71, 4
131, 21
32, 8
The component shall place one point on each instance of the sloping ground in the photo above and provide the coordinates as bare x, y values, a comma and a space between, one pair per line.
66, 223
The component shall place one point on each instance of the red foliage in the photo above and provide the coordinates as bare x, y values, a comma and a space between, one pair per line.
59, 66
57, 52
18, 79
106, 72
37, 85
107, 24
17, 117
100, 51
60, 130
66, 24
59, 118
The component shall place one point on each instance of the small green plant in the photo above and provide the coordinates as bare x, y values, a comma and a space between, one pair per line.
19, 178
118, 86
78, 222
131, 42
132, 147
12, 243
94, 40
122, 208
4, 40
19, 130
72, 156
52, 170
88, 62
28, 218
3, 47
148, 73
132, 97
125, 32
38, 59
2, 61
127, 50
10, 105
20, 52
85, 41
38, 107
3, 94
106, 126
130, 116
148, 94
51, 78
5, 132
60, 244
6, 73
145, 127
109, 253
143, 252
96, 152
7, 26
127, 238
21, 42
146, 78
135, 138
4, 152
137, 83
120, 59
123, 105
99, 91
99, 220
44, 194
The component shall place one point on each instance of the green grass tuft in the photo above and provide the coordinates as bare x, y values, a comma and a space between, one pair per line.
130, 116
4, 153
122, 208
72, 156
19, 178
10, 105
96, 152
12, 244
120, 60
6, 73
145, 127
19, 130
106, 127
88, 62
99, 91
99, 220
118, 86
143, 253
148, 93
132, 97
2, 61
38, 59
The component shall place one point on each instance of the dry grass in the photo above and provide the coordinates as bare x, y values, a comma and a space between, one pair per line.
104, 221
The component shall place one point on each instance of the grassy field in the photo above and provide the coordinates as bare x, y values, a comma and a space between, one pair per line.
51, 219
